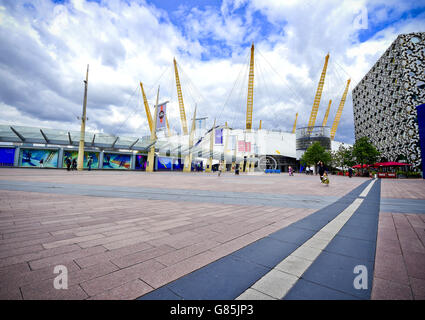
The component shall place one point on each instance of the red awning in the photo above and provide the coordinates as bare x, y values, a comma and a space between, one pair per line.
390, 164
358, 166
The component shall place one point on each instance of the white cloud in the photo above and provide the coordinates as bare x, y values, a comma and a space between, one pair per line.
46, 47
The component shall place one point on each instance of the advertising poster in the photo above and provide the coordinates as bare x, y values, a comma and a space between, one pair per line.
178, 164
116, 161
7, 157
241, 146
74, 155
219, 136
164, 163
38, 158
141, 162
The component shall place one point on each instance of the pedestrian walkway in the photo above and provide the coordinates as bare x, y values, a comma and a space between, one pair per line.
400, 255
270, 267
129, 235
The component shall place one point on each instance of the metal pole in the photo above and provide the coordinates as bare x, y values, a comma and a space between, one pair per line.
151, 155
80, 161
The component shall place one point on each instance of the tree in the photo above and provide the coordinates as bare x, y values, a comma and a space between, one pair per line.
314, 154
343, 157
365, 152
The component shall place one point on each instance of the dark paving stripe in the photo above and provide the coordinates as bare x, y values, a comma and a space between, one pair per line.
232, 198
230, 276
310, 291
403, 205
332, 274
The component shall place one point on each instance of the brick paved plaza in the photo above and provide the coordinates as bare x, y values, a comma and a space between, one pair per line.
129, 235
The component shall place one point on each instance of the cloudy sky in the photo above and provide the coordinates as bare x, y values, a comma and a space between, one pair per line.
45, 47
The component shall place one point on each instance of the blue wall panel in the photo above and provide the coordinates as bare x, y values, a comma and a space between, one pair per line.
7, 156
421, 123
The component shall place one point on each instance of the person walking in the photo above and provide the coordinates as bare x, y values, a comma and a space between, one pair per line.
74, 164
89, 162
68, 163
291, 173
350, 172
321, 170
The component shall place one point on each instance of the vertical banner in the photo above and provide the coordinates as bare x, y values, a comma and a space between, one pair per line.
247, 146
219, 136
162, 111
241, 146
200, 127
233, 143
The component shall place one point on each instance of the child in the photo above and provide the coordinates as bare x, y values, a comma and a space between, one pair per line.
325, 179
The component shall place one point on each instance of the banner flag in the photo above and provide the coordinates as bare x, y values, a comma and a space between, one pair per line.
162, 111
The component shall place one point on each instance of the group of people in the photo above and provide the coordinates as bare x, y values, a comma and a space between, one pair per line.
71, 164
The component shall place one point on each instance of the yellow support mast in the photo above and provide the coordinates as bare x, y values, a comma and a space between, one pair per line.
295, 123
188, 158
168, 126
210, 160
318, 96
250, 98
150, 167
147, 110
250, 101
80, 158
180, 96
325, 119
339, 112
259, 128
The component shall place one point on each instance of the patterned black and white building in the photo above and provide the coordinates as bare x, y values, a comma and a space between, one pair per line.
385, 100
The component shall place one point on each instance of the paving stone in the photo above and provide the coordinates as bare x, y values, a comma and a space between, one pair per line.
252, 294
275, 284
62, 258
116, 279
294, 265
389, 290
306, 290
418, 288
163, 293
307, 253
128, 291
144, 255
